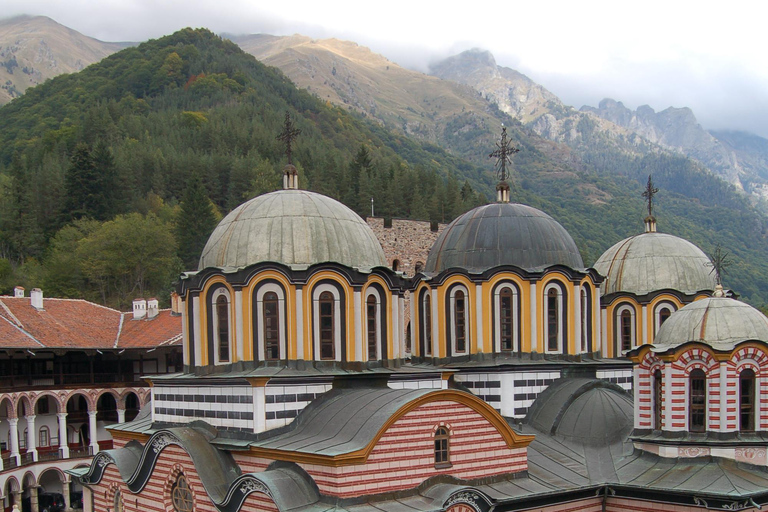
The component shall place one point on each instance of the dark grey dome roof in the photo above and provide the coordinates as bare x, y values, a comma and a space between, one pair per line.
720, 322
503, 234
655, 261
587, 411
294, 227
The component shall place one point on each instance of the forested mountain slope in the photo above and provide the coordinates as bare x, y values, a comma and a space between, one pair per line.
171, 133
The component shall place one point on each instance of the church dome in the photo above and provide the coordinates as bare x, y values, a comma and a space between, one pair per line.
293, 227
655, 261
719, 322
503, 234
588, 411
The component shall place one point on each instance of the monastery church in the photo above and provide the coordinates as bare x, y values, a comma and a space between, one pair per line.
502, 375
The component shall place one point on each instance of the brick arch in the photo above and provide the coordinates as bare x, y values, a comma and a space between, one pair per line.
62, 476
35, 397
651, 362
753, 356
12, 484
176, 470
32, 478
110, 494
10, 407
23, 400
124, 397
697, 358
88, 398
106, 391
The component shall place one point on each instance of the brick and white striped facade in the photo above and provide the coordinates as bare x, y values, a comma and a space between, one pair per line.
722, 399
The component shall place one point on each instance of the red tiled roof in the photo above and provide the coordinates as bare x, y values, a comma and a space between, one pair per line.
75, 323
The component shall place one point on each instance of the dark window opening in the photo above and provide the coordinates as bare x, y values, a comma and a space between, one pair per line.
460, 321
427, 325
658, 400
697, 408
553, 330
327, 349
626, 330
222, 316
747, 400
506, 319
370, 305
442, 447
271, 327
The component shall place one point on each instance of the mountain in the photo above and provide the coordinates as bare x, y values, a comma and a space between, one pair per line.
195, 104
34, 49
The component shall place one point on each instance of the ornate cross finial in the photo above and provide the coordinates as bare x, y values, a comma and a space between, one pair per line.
502, 154
719, 264
288, 135
650, 191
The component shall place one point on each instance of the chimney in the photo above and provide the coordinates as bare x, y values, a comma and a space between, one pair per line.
175, 304
139, 309
18, 292
152, 308
37, 298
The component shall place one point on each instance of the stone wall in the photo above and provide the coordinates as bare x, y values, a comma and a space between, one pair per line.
407, 242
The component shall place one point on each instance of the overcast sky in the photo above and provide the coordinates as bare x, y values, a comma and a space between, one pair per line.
708, 56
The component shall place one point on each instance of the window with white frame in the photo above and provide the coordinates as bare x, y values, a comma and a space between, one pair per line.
373, 324
507, 317
44, 437
554, 318
327, 322
661, 312
459, 319
586, 320
426, 323
625, 328
222, 331
697, 401
270, 318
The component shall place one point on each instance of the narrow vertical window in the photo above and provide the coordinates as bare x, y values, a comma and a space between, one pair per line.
658, 400
370, 310
625, 320
427, 315
460, 321
506, 318
222, 317
44, 439
664, 313
747, 400
442, 447
327, 326
585, 318
697, 406
553, 326
271, 327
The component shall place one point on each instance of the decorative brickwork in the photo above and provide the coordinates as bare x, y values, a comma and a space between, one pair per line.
404, 456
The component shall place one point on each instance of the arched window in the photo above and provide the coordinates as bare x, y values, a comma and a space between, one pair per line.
395, 265
625, 328
372, 324
426, 324
220, 328
586, 320
442, 448
554, 318
118, 501
658, 400
662, 311
327, 326
458, 318
271, 319
44, 437
507, 318
181, 495
697, 405
747, 400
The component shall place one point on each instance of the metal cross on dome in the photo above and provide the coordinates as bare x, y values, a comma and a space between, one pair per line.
288, 135
719, 264
650, 191
502, 154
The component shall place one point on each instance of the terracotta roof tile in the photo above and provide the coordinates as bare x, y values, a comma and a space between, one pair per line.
76, 323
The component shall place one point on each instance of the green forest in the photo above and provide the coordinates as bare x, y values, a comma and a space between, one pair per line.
111, 179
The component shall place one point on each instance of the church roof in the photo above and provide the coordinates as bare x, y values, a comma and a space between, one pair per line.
655, 261
294, 227
503, 234
720, 322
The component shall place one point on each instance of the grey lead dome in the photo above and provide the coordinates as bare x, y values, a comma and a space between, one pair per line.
720, 322
655, 261
293, 227
503, 234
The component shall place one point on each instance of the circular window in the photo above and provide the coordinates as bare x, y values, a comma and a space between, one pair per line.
181, 496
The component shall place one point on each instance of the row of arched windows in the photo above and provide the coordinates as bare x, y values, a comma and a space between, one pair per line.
697, 400
626, 324
270, 327
506, 319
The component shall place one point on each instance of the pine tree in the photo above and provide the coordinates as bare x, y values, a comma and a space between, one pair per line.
195, 223
84, 197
